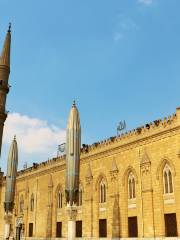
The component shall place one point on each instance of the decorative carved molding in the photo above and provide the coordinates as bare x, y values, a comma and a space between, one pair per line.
72, 212
145, 169
146, 175
145, 164
114, 170
145, 160
89, 175
114, 167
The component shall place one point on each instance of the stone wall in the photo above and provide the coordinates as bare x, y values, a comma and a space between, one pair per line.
143, 151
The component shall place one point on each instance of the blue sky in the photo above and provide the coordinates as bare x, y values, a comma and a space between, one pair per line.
120, 60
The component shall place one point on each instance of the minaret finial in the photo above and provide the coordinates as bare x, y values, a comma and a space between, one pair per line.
74, 103
15, 137
9, 29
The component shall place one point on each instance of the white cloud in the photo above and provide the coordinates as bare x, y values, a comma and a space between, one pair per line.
145, 2
34, 136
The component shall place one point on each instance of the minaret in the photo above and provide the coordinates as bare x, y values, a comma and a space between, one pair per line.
73, 145
4, 77
10, 186
11, 176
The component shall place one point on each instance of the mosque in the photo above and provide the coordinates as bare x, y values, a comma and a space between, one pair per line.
128, 185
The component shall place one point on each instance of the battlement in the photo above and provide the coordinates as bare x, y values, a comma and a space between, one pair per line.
155, 127
158, 125
42, 165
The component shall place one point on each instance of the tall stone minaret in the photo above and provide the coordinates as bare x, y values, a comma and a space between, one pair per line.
4, 77
73, 147
12, 165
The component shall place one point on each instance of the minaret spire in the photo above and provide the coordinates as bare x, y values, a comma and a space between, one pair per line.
4, 77
5, 55
74, 103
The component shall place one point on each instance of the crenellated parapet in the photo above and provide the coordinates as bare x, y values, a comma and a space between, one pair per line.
125, 140
152, 128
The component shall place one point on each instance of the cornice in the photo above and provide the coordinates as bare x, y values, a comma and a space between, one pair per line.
41, 172
132, 144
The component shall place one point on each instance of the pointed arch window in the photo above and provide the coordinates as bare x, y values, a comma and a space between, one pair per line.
32, 203
102, 194
131, 186
167, 179
79, 200
59, 199
21, 204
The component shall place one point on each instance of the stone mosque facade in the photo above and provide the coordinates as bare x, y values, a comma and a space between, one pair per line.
129, 187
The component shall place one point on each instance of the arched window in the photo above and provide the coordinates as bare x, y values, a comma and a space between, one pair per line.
167, 179
79, 200
32, 203
21, 204
59, 199
131, 186
102, 194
